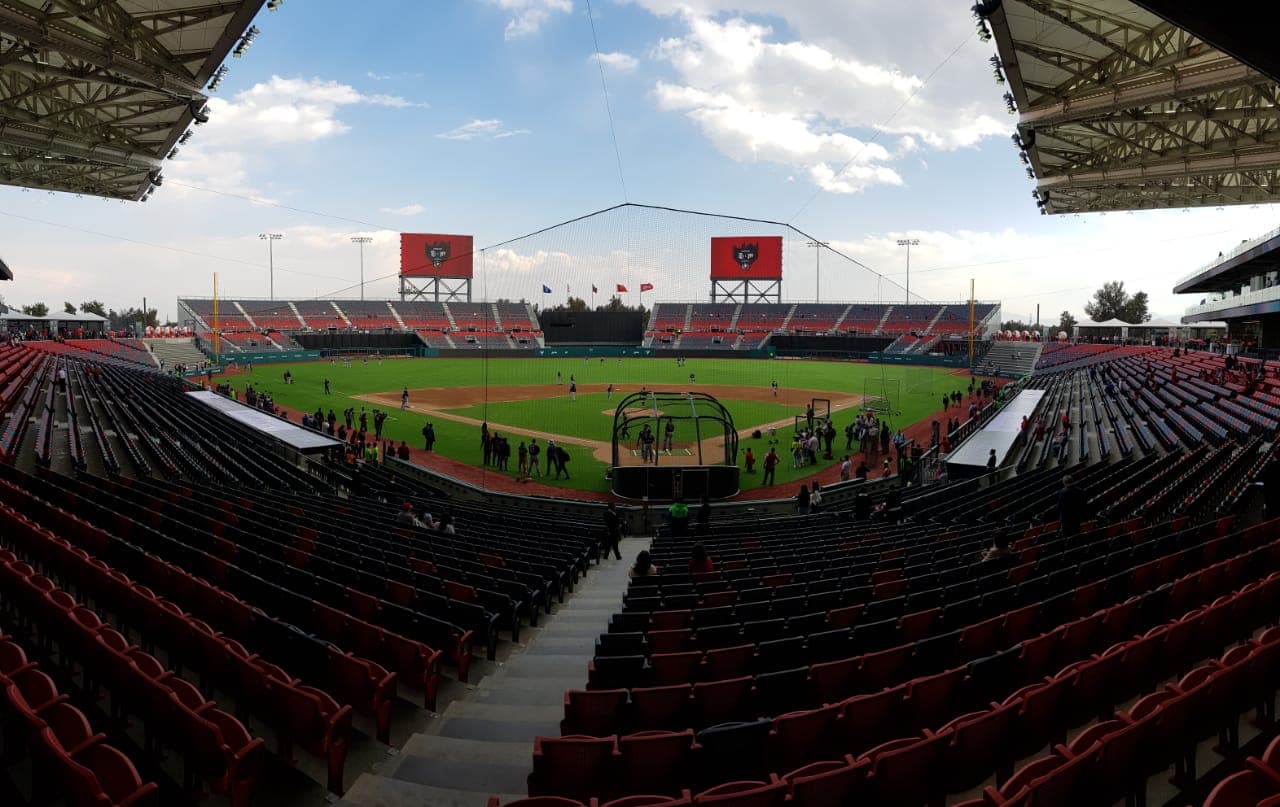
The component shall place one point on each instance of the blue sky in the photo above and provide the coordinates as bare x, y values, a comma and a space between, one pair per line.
487, 117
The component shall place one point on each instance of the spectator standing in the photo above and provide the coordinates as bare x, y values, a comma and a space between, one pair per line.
612, 532
770, 465
802, 500
815, 497
678, 518
1072, 504
534, 451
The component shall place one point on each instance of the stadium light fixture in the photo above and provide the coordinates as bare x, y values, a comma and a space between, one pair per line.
274, 5
246, 41
1010, 104
908, 243
818, 245
182, 141
996, 69
218, 76
361, 240
271, 239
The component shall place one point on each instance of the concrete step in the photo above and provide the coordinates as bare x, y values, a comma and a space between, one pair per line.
372, 790
530, 713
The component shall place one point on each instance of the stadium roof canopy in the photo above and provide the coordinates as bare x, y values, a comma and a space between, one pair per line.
94, 94
1133, 104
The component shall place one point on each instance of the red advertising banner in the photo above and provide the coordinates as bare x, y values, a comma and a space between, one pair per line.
747, 257
436, 255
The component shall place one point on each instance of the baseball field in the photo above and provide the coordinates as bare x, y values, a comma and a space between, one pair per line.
529, 398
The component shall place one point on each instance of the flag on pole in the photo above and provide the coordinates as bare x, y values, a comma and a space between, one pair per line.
594, 290
622, 288
546, 289
646, 287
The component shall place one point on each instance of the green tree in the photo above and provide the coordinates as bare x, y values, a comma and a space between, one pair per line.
1016, 325
132, 316
616, 304
69, 308
1136, 310
36, 310
93, 307
1066, 322
1113, 302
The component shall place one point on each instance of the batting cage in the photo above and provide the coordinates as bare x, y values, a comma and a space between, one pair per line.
670, 444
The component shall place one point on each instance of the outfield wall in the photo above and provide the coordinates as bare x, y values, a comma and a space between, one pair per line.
828, 347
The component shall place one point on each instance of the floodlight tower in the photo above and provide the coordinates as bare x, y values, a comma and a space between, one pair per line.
908, 243
361, 240
271, 239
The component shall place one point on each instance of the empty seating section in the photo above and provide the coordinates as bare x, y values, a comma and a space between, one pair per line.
1157, 398
815, 317
226, 608
711, 316
955, 318
671, 326
366, 315
318, 315
435, 339
473, 316
863, 318
229, 317
833, 662
420, 315
909, 318
762, 317
669, 316
515, 317
482, 340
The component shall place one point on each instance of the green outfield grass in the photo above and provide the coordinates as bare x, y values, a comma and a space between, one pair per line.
921, 389
586, 417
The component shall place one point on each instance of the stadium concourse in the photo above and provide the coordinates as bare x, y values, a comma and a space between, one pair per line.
190, 612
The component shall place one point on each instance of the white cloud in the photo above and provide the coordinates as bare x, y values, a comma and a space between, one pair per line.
482, 129
287, 110
797, 99
270, 114
617, 61
747, 132
528, 16
407, 210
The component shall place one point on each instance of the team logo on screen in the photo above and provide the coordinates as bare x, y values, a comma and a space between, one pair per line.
438, 253
745, 254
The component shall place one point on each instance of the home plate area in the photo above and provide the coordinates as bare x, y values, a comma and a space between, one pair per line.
679, 452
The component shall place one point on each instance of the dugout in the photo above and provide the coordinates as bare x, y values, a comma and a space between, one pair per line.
702, 461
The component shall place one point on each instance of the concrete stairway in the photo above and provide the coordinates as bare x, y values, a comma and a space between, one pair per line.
175, 351
482, 744
1014, 359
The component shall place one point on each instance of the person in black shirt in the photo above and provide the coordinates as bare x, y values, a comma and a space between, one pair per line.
612, 532
1072, 504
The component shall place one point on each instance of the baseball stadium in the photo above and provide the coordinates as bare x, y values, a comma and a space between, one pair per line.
639, 505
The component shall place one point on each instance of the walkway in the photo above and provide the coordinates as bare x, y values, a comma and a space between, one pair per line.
482, 744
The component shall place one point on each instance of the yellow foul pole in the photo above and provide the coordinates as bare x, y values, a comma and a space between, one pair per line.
971, 325
217, 347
